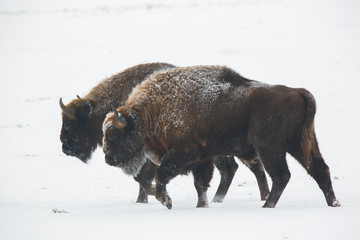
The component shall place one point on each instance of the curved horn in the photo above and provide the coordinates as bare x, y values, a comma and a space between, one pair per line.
121, 119
67, 111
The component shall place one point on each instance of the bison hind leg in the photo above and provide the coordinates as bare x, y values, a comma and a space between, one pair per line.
275, 164
227, 168
257, 167
316, 167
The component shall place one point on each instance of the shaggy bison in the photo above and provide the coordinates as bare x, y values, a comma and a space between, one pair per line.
184, 118
81, 130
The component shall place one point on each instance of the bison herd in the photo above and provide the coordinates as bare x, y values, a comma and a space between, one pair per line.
156, 121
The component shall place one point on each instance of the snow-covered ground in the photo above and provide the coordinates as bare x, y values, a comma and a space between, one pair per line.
53, 49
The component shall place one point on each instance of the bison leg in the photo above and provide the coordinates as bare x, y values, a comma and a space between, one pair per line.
142, 197
227, 168
321, 173
162, 195
319, 170
145, 178
202, 176
171, 165
275, 164
257, 167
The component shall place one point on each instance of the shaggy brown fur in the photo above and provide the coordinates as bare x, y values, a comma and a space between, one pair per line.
185, 117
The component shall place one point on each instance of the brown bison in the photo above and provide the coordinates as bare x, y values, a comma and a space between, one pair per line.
81, 131
184, 118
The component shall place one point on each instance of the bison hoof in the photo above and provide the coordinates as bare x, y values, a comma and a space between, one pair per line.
264, 196
218, 199
168, 202
142, 198
202, 205
336, 203
269, 205
142, 201
165, 200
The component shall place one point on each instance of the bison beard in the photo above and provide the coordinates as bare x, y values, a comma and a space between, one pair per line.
186, 117
132, 163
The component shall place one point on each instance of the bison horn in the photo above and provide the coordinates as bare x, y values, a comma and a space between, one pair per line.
70, 113
121, 119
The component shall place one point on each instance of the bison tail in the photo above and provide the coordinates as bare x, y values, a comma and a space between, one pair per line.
311, 106
308, 139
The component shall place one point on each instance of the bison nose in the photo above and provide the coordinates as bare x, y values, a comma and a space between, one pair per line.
67, 149
109, 159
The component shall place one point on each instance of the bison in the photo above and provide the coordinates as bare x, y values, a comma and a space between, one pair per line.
81, 131
184, 118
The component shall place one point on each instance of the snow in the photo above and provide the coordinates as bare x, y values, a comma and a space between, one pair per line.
53, 49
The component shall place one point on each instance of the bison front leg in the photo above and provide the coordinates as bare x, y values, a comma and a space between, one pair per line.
202, 176
145, 178
162, 195
143, 196
171, 165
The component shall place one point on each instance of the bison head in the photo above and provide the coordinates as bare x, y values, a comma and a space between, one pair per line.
123, 142
78, 136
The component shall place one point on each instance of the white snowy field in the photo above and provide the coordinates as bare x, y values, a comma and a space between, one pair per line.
53, 49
